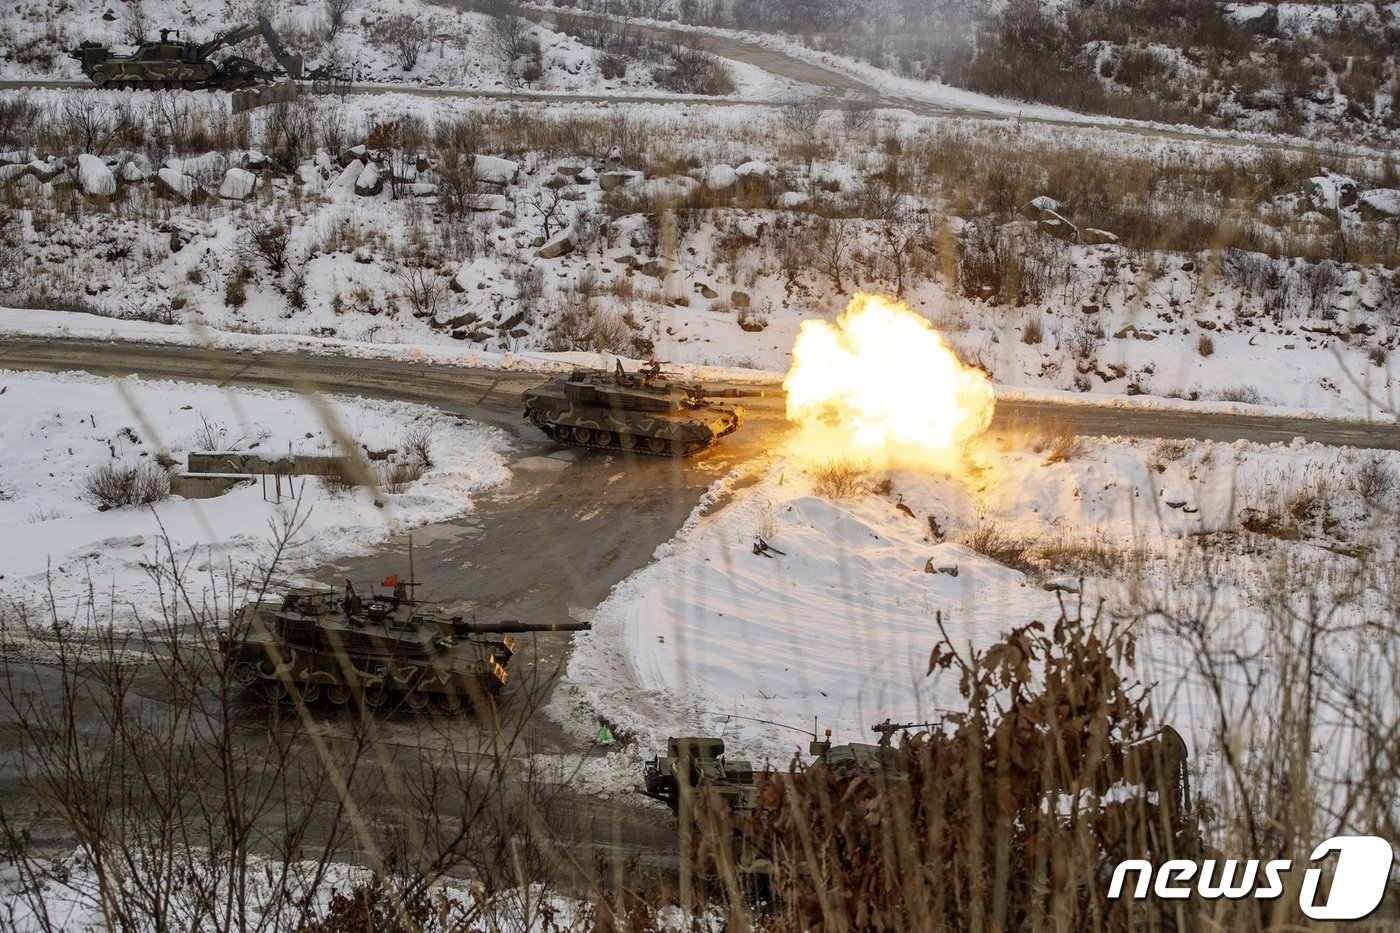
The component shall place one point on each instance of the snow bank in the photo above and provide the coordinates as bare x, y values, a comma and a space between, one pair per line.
58, 429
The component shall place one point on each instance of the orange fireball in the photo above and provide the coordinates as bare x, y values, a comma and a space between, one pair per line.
883, 383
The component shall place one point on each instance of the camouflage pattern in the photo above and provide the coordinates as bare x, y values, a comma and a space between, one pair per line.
383, 652
641, 412
170, 63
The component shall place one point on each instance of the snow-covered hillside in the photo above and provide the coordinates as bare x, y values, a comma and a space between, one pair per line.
378, 42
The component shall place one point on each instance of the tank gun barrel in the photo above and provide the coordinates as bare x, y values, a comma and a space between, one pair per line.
736, 393
514, 627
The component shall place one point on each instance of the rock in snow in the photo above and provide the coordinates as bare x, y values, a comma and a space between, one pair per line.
561, 244
610, 180
238, 184
496, 171
94, 177
721, 177
370, 182
1380, 202
174, 183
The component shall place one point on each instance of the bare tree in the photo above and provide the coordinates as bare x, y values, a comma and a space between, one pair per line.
900, 229
423, 289
336, 11
835, 238
91, 123
457, 185
548, 203
134, 25
857, 115
18, 117
508, 35
802, 121
406, 38
289, 131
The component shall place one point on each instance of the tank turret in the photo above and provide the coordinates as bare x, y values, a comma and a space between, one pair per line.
643, 411
383, 651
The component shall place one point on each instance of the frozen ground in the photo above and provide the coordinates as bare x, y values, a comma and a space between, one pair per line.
835, 631
59, 429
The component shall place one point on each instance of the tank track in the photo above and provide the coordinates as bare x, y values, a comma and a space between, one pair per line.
397, 702
273, 690
550, 430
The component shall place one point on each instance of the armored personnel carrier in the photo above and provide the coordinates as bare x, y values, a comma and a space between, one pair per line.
171, 63
643, 412
382, 651
693, 762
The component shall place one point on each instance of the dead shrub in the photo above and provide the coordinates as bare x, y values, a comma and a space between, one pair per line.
1013, 551
1057, 440
417, 443
691, 71
395, 478
114, 485
1167, 451
423, 289
1372, 478
1033, 332
1205, 345
839, 477
338, 484
266, 240
236, 287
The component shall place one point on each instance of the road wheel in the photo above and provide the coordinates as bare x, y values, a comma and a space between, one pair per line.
416, 700
657, 444
583, 435
604, 439
376, 696
276, 690
678, 448
339, 694
450, 702
311, 693
627, 442
562, 433
245, 674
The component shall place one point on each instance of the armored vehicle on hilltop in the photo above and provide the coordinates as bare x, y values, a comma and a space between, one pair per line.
643, 412
171, 63
383, 651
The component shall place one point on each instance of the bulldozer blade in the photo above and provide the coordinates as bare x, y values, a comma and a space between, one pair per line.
254, 97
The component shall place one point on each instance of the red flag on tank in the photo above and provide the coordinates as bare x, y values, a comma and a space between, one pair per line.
391, 582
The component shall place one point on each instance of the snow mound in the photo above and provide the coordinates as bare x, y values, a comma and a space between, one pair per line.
94, 177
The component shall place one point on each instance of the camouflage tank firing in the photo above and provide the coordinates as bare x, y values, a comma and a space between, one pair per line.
384, 652
641, 412
171, 63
